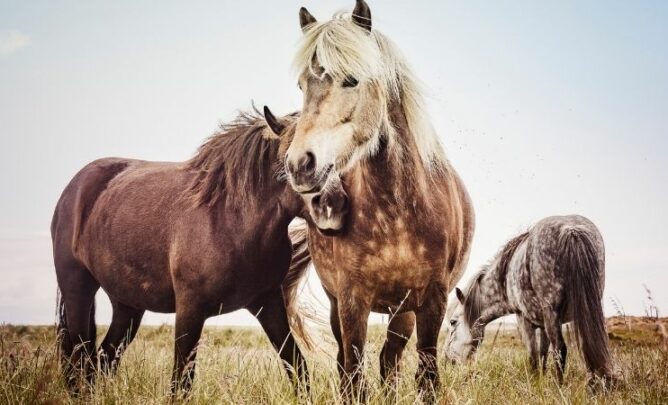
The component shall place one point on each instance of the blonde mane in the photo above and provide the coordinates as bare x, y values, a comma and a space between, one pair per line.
343, 49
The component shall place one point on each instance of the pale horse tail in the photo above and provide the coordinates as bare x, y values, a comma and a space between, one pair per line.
301, 258
579, 261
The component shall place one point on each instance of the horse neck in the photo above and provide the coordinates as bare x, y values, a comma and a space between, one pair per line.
267, 211
493, 295
396, 170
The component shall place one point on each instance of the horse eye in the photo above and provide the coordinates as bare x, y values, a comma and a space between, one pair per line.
299, 85
350, 82
453, 322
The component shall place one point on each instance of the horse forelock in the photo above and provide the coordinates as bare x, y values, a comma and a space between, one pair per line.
342, 49
241, 158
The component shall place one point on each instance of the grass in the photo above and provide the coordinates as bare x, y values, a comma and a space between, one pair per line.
238, 366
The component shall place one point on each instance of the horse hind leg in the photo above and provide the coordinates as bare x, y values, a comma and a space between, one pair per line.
544, 347
556, 338
399, 331
77, 325
125, 322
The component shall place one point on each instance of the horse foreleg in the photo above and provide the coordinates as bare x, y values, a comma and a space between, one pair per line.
528, 334
335, 324
429, 319
354, 306
188, 329
125, 322
271, 313
399, 331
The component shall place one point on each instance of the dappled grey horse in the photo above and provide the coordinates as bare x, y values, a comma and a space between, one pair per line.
552, 274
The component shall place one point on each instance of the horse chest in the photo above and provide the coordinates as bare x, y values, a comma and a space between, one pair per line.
392, 266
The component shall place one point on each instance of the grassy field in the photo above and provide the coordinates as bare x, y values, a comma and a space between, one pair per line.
237, 365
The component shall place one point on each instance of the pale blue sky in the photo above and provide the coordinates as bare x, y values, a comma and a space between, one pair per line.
544, 108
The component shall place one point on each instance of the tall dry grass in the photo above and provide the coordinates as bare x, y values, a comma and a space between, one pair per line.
238, 366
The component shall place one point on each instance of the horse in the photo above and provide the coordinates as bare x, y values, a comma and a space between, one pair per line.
199, 238
409, 224
552, 274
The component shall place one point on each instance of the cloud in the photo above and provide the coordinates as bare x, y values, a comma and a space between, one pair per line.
11, 41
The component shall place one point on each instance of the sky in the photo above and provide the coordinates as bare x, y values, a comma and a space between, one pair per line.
544, 108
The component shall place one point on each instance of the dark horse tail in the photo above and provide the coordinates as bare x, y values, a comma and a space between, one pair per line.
301, 258
579, 261
63, 334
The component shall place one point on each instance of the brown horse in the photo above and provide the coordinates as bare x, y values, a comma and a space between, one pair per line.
199, 238
408, 232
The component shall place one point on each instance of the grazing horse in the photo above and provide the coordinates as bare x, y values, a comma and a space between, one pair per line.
200, 238
552, 274
409, 222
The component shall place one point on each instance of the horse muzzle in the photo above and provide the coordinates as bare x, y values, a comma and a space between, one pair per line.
304, 174
329, 210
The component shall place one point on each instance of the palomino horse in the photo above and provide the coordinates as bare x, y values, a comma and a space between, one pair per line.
552, 274
199, 238
407, 235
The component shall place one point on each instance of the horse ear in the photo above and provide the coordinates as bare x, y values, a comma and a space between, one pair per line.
273, 123
460, 295
362, 15
306, 19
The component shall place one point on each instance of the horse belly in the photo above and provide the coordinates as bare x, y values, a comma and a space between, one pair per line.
136, 286
131, 265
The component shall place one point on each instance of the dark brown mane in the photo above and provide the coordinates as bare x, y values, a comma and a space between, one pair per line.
239, 157
506, 255
473, 303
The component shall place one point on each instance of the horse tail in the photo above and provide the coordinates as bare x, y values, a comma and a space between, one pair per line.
63, 335
580, 265
63, 341
301, 258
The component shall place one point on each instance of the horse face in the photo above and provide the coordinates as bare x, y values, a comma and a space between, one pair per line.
343, 103
460, 344
338, 125
328, 209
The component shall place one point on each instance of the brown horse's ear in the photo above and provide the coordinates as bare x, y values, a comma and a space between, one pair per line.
306, 19
362, 15
276, 127
460, 295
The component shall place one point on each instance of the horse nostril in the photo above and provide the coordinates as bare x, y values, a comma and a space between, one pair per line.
308, 163
315, 201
